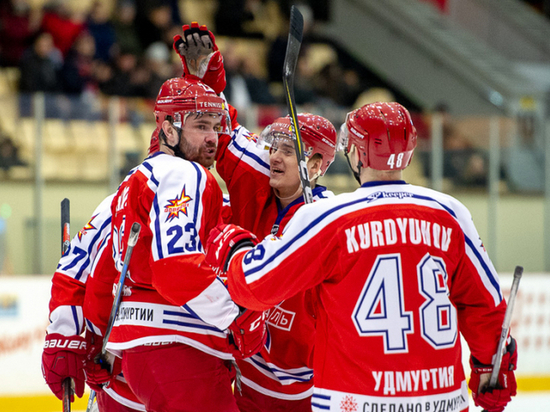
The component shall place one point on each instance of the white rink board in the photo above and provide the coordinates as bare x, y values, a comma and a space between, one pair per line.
24, 317
23, 321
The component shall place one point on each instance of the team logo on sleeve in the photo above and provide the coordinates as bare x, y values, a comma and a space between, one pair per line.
87, 226
177, 205
253, 137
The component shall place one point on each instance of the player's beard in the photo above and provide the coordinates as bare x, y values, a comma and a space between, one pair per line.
204, 154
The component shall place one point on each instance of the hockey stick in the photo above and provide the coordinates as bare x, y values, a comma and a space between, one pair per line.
505, 326
289, 71
132, 240
65, 243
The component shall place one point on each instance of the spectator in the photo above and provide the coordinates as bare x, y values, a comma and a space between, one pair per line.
244, 86
125, 28
340, 85
463, 163
155, 23
77, 71
78, 79
102, 30
9, 154
63, 24
116, 80
40, 66
19, 24
230, 17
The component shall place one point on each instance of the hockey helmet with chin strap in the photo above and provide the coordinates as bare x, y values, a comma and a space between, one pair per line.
383, 135
179, 97
318, 136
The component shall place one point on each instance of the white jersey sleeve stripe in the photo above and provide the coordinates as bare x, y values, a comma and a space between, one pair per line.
156, 209
198, 210
491, 283
250, 157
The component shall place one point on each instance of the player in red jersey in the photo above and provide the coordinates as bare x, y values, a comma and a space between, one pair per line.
78, 304
175, 318
262, 178
398, 272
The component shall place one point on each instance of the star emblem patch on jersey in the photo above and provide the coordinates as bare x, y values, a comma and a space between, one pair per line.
87, 226
348, 404
253, 137
177, 205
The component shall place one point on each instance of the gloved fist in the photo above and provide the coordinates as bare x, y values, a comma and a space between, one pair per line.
64, 357
495, 399
249, 333
223, 241
99, 370
200, 56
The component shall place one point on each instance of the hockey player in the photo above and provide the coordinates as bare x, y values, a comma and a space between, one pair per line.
62, 359
173, 324
398, 272
77, 303
265, 192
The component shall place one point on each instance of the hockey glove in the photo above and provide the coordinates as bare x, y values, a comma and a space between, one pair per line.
495, 399
223, 241
200, 56
98, 369
249, 333
64, 357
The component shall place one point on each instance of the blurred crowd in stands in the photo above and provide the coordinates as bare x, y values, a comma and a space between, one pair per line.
77, 55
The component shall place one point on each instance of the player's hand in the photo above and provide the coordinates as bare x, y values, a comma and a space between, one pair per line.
223, 241
99, 370
249, 333
494, 399
200, 56
64, 357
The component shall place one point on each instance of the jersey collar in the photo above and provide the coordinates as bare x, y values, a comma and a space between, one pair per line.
383, 183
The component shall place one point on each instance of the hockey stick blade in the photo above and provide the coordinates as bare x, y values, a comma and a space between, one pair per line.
289, 72
65, 243
132, 240
518, 272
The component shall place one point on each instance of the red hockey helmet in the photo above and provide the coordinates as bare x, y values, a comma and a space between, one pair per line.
318, 135
180, 96
383, 134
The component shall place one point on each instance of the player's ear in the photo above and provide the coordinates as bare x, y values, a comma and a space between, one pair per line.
314, 165
170, 132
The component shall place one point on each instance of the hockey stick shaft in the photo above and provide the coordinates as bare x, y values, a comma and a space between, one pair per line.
505, 326
132, 240
65, 244
289, 72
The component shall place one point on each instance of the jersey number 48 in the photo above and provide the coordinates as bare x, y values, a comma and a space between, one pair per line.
380, 310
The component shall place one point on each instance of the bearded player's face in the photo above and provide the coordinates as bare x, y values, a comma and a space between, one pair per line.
199, 139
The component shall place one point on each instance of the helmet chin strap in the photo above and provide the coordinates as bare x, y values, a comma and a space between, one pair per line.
176, 149
356, 174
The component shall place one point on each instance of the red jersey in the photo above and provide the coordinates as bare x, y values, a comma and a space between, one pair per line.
283, 368
73, 271
398, 271
169, 295
82, 289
